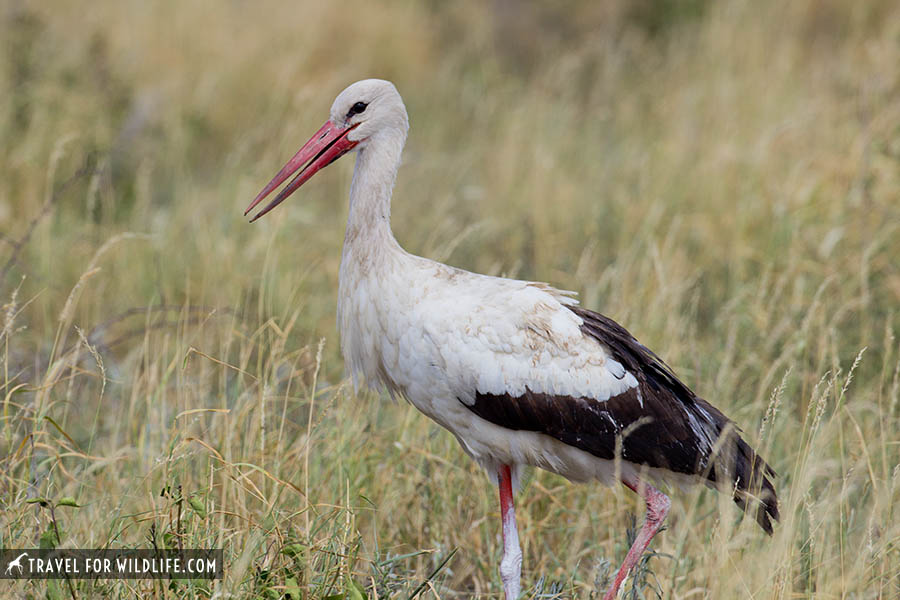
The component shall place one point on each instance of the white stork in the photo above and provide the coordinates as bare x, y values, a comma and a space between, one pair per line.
516, 370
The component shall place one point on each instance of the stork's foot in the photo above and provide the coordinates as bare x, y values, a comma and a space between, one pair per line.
511, 563
511, 574
657, 508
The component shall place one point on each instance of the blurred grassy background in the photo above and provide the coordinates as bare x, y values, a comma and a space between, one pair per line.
723, 178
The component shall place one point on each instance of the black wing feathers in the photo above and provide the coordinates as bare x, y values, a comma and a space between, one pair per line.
660, 423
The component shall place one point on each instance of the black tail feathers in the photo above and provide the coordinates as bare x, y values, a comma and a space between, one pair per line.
753, 488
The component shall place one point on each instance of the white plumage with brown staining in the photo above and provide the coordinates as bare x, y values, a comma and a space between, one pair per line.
516, 370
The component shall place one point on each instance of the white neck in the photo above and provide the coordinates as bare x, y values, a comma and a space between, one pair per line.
370, 251
369, 221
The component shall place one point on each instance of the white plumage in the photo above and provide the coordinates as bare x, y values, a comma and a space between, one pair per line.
436, 335
514, 369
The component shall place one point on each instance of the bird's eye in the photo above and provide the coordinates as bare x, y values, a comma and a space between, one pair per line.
357, 108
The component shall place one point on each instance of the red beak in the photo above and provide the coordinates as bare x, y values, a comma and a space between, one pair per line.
325, 147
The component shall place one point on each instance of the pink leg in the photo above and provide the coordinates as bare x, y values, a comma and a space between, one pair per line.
657, 509
511, 563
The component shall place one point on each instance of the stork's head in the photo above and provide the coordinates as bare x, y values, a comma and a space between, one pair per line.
362, 112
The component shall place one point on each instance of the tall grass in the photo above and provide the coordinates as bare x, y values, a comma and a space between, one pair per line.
722, 178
